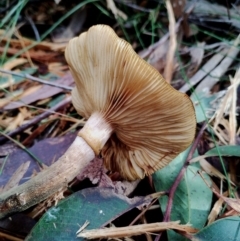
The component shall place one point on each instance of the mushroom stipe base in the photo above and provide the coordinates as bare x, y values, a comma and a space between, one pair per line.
57, 176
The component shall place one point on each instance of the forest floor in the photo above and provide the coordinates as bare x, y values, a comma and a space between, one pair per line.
194, 45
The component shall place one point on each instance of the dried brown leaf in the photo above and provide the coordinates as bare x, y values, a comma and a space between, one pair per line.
48, 150
18, 120
96, 173
14, 63
43, 92
73, 28
178, 7
7, 149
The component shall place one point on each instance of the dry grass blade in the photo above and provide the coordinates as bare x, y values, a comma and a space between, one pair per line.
228, 106
21, 41
147, 235
197, 54
168, 72
232, 202
233, 110
226, 129
116, 12
215, 75
209, 66
208, 168
211, 170
216, 210
135, 230
150, 51
5, 236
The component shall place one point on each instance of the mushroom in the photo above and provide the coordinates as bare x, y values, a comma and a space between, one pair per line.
150, 121
136, 121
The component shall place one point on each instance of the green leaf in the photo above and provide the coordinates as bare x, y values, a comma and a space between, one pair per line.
202, 105
224, 229
192, 199
99, 206
224, 151
56, 100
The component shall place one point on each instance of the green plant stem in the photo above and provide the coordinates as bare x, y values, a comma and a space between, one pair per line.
3, 164
179, 178
24, 148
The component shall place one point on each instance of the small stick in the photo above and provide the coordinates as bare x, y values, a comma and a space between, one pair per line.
135, 230
179, 178
38, 118
28, 76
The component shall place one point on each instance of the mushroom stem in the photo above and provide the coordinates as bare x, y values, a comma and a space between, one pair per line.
96, 132
57, 176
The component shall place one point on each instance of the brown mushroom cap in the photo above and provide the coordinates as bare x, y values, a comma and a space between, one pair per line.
152, 121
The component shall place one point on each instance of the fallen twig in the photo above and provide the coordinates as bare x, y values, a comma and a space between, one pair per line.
28, 76
135, 230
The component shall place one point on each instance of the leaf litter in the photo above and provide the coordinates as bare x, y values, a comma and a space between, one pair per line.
201, 68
